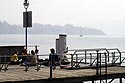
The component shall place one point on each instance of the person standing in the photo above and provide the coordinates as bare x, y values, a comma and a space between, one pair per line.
52, 60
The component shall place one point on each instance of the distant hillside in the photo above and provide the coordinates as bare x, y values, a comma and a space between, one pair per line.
6, 28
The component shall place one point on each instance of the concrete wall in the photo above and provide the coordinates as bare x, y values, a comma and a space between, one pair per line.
8, 50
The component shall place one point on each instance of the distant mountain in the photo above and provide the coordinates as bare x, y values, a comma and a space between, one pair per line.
6, 28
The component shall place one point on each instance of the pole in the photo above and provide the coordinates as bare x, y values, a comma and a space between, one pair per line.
97, 64
106, 67
100, 66
50, 66
120, 80
26, 5
26, 29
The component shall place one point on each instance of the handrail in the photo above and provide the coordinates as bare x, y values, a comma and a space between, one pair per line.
88, 49
93, 61
122, 60
88, 55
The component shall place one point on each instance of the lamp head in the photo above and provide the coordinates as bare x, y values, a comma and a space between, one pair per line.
26, 3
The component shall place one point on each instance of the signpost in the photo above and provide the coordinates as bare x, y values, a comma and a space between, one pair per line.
27, 19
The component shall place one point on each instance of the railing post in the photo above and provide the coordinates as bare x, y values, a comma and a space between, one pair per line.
76, 58
97, 63
100, 65
105, 67
5, 58
108, 55
113, 57
71, 60
90, 58
85, 58
120, 56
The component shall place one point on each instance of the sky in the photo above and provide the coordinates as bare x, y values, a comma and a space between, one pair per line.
106, 15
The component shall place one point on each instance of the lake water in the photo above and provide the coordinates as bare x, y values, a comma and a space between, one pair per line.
45, 42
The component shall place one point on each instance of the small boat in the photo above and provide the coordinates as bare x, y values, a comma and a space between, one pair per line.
81, 34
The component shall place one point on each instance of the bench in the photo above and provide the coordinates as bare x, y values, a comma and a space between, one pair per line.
4, 62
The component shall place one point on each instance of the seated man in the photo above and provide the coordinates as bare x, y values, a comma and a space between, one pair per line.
14, 59
32, 59
65, 61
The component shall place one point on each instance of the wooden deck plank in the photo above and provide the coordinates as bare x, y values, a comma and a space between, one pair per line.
16, 73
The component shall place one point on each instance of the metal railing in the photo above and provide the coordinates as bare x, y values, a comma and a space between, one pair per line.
89, 56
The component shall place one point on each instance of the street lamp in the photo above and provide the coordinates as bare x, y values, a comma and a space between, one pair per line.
26, 5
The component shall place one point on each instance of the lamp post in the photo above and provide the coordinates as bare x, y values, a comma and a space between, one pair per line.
26, 5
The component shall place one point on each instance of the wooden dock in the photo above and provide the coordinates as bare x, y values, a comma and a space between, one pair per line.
15, 74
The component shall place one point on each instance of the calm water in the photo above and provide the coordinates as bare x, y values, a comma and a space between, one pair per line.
45, 42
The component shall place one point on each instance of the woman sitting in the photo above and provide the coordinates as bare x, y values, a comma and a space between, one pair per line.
14, 59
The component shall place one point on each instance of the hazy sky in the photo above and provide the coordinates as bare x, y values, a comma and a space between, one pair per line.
107, 15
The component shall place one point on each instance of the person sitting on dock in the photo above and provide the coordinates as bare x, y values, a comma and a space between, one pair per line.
32, 58
14, 59
24, 57
64, 62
